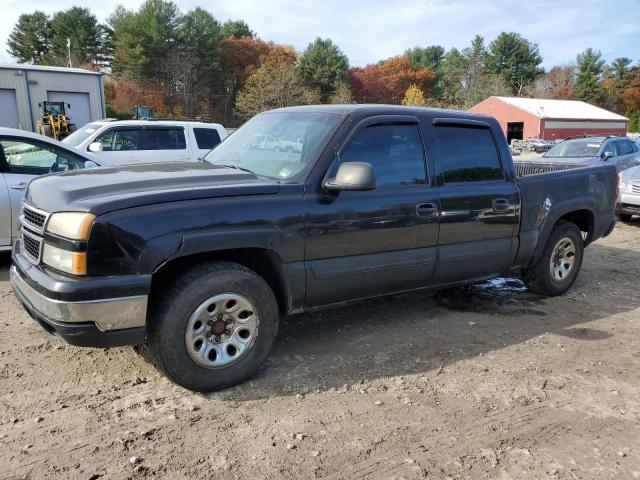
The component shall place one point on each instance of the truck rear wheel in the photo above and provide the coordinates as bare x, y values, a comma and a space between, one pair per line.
557, 268
214, 327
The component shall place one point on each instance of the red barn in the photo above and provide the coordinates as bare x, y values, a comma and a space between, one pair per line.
529, 118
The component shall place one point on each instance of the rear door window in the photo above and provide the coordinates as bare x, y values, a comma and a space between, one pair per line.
206, 138
164, 139
624, 147
467, 154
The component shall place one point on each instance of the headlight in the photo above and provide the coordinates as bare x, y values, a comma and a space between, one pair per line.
72, 225
74, 263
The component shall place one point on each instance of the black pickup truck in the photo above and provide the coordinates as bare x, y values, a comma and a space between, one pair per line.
199, 260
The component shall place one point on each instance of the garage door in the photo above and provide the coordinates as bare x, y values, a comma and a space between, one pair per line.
80, 111
8, 109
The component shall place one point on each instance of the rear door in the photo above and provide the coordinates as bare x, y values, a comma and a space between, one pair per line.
163, 144
479, 202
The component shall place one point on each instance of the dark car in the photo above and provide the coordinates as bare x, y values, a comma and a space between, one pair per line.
199, 260
619, 151
540, 146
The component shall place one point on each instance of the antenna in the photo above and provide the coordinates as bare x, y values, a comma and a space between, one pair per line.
69, 51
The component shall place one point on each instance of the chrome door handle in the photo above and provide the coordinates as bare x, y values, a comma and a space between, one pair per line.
19, 186
500, 205
426, 209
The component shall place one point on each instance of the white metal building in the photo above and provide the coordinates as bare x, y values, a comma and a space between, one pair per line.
23, 88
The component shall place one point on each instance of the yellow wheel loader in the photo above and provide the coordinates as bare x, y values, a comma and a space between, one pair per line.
54, 122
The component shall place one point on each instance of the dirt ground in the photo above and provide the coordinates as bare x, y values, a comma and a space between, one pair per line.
482, 382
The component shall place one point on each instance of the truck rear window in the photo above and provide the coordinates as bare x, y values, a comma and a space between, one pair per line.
467, 154
206, 138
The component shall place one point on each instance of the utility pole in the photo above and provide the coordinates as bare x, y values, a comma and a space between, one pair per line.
69, 51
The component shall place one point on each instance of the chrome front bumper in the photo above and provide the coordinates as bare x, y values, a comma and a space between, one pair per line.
109, 314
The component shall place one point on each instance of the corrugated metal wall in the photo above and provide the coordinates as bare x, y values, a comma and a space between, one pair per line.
31, 87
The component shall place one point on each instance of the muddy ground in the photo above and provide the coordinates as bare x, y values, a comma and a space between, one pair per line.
482, 382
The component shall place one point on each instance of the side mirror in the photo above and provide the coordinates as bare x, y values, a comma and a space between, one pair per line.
95, 147
607, 155
352, 176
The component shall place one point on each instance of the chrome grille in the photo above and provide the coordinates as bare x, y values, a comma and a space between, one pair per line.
33, 218
31, 246
635, 188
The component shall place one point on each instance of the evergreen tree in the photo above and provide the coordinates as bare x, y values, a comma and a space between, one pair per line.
30, 39
588, 76
323, 65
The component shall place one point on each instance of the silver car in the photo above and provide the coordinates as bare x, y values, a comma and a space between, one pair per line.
629, 199
24, 156
586, 151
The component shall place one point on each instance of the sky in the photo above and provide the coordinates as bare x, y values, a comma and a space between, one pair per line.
370, 30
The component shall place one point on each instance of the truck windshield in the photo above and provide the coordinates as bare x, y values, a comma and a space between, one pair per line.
583, 148
276, 145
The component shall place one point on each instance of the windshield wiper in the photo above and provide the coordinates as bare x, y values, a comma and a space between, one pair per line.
235, 167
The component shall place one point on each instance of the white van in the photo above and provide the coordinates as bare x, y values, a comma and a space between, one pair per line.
133, 141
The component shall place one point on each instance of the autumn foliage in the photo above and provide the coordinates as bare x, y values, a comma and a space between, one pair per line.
387, 81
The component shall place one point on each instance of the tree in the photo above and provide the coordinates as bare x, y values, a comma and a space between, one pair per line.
87, 38
515, 59
387, 81
428, 57
144, 39
588, 75
277, 83
342, 94
323, 65
451, 83
30, 39
237, 29
195, 65
239, 58
414, 97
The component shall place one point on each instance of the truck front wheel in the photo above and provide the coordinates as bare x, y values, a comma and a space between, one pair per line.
214, 327
557, 268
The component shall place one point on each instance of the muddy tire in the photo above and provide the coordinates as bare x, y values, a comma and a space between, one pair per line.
623, 217
558, 267
214, 326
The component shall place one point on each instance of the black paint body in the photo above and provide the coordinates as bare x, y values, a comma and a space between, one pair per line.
331, 247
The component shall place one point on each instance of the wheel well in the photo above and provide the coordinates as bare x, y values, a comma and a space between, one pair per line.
265, 263
583, 219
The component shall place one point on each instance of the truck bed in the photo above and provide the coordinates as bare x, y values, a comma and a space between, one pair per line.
546, 195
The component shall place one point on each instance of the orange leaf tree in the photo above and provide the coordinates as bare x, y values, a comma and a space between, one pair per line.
387, 81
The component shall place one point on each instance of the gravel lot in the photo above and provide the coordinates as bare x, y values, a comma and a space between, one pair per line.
482, 382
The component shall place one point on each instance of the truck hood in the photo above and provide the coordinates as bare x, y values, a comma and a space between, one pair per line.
101, 190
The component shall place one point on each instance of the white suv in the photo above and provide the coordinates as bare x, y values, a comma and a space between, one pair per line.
131, 141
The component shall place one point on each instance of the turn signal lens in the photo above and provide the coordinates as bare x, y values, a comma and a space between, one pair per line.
74, 263
72, 225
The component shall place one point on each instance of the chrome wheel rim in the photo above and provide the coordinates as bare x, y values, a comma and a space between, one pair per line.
563, 259
221, 330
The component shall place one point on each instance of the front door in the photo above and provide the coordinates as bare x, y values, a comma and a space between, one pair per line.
360, 244
479, 204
